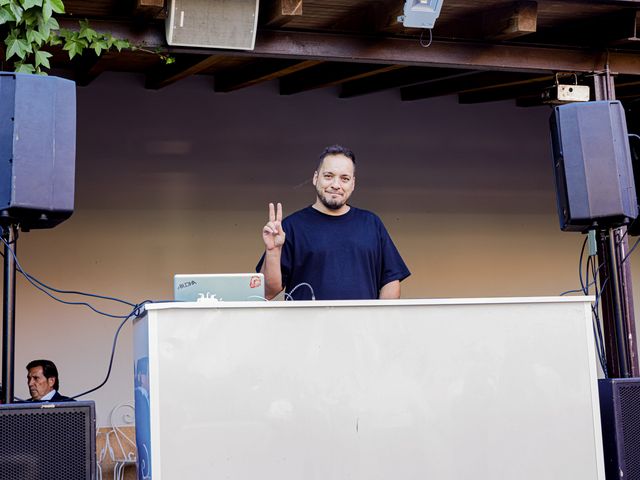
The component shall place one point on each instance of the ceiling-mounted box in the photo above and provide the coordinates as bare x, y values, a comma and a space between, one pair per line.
420, 13
212, 23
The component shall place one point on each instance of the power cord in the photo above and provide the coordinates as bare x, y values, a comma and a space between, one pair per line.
135, 311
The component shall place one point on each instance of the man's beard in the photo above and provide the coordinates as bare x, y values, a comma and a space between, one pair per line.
328, 202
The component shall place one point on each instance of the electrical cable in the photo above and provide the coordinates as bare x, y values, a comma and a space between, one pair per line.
136, 311
37, 283
289, 295
630, 251
422, 44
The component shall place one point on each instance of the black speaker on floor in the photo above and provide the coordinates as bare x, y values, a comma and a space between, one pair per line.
37, 149
48, 441
620, 414
592, 164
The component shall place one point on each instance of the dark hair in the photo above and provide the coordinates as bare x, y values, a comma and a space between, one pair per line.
48, 370
336, 150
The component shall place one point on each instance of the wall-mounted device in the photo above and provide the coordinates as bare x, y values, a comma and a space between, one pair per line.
420, 13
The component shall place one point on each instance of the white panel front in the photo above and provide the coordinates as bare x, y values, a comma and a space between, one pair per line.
378, 392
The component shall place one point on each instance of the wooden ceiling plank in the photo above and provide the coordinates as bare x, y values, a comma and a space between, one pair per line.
87, 68
367, 17
259, 72
510, 21
528, 90
394, 79
463, 83
165, 75
148, 8
330, 75
400, 51
282, 12
626, 28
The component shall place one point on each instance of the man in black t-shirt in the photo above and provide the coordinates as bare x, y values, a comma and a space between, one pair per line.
337, 250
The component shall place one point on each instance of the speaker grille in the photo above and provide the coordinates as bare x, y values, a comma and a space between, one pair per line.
46, 442
630, 415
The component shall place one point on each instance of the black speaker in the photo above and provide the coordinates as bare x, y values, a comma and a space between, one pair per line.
620, 414
592, 165
37, 149
48, 441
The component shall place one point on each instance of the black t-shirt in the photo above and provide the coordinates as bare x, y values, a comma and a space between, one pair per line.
349, 256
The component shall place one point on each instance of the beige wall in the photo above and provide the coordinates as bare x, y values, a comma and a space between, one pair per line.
177, 181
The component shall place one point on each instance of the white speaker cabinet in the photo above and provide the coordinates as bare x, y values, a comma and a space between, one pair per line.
212, 23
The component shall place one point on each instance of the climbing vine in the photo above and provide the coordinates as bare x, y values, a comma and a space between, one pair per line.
32, 29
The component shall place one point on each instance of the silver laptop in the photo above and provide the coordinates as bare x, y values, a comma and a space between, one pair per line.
226, 287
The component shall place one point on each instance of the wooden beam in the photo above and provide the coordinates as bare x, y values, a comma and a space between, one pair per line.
87, 68
258, 72
400, 51
149, 8
625, 28
510, 21
464, 83
532, 88
370, 17
328, 75
183, 67
395, 79
282, 12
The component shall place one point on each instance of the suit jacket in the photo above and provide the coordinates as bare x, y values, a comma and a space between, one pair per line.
56, 398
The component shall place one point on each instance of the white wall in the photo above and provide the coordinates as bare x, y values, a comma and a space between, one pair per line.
178, 181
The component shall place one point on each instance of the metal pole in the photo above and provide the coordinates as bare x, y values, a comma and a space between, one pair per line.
10, 236
614, 282
617, 298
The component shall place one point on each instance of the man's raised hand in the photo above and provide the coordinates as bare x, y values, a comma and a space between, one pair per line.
272, 233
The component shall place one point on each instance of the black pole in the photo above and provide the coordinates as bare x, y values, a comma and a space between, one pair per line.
614, 285
10, 236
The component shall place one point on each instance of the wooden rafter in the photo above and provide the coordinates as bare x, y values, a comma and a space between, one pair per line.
510, 21
165, 75
328, 75
465, 83
282, 12
148, 8
258, 72
394, 79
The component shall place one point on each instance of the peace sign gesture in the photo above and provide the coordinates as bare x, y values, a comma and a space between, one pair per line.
272, 233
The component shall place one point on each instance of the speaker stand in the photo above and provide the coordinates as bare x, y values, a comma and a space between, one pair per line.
10, 236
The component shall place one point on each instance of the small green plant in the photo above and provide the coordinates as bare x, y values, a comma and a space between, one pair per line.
32, 29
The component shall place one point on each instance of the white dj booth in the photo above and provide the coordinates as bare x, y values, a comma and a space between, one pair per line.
481, 389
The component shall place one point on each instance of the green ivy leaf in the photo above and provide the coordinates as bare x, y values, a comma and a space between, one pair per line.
16, 9
56, 5
26, 4
6, 15
4, 2
42, 58
87, 32
99, 45
16, 45
30, 17
47, 10
24, 67
120, 44
75, 46
33, 36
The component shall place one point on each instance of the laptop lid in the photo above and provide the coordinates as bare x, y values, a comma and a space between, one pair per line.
228, 287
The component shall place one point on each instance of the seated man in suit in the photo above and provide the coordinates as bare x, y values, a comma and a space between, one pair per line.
42, 379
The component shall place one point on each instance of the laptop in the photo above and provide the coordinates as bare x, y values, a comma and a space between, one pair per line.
226, 287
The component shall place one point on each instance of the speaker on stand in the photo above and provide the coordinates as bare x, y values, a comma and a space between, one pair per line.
37, 175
